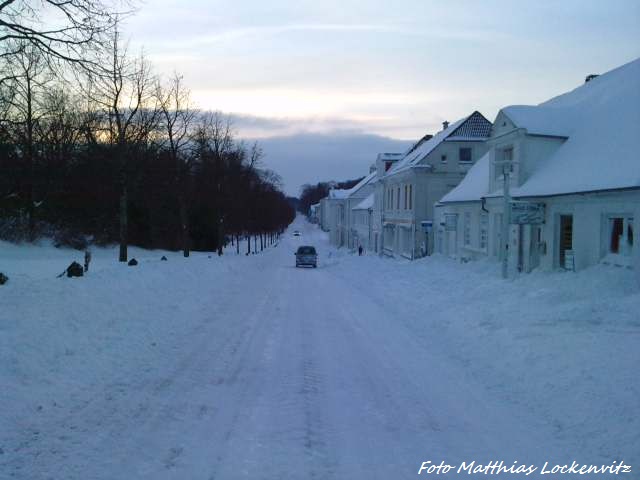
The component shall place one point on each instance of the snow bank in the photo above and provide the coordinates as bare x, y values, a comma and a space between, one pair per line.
562, 345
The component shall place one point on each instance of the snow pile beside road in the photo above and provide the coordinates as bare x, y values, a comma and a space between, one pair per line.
563, 345
65, 340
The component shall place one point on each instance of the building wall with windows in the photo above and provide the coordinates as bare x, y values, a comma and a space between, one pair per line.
362, 232
578, 231
602, 227
409, 196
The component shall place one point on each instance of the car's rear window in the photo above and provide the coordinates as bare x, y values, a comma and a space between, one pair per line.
306, 251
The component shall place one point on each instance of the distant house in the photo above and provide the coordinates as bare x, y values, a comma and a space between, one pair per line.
384, 162
341, 216
356, 235
324, 214
574, 177
314, 213
337, 216
427, 171
362, 222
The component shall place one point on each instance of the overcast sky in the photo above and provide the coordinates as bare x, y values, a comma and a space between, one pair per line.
347, 78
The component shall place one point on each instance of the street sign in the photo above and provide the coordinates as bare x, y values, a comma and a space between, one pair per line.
527, 213
427, 226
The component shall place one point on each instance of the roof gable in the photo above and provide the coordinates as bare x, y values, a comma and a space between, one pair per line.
475, 127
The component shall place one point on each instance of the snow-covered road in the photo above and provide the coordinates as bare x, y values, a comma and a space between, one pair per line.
273, 372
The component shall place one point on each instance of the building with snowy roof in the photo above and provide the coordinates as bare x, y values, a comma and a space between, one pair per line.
362, 223
573, 172
384, 162
411, 186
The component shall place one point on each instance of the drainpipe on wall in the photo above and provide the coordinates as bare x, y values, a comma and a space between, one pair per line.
506, 221
413, 248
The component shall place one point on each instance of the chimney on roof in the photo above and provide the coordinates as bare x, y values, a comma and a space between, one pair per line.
445, 125
590, 77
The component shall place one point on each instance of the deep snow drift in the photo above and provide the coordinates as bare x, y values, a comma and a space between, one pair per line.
246, 367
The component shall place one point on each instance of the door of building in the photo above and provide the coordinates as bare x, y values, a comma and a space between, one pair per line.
566, 237
535, 242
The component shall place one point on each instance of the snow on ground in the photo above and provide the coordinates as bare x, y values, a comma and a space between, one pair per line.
246, 367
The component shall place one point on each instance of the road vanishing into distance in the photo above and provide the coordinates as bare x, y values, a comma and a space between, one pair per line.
279, 373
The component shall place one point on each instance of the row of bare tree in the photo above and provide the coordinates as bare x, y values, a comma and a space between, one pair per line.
91, 141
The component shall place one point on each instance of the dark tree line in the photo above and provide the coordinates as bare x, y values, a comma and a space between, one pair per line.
312, 194
93, 144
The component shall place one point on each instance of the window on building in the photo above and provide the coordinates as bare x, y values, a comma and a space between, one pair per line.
443, 158
398, 199
507, 154
484, 224
410, 196
406, 191
467, 228
465, 155
621, 235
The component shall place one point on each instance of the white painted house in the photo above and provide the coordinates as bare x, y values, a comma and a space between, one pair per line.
573, 167
384, 161
362, 224
337, 217
314, 213
357, 233
324, 214
427, 171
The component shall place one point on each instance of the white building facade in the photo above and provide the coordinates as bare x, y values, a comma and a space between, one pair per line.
574, 182
414, 184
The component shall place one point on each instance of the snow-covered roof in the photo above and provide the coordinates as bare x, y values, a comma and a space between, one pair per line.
345, 193
390, 156
539, 120
339, 194
475, 184
361, 183
601, 120
365, 204
473, 127
603, 126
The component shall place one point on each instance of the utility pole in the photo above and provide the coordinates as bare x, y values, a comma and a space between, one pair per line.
506, 218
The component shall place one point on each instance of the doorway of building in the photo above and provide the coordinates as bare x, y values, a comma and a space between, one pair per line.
535, 242
566, 238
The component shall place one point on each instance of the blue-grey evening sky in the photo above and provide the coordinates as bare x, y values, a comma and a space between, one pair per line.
347, 78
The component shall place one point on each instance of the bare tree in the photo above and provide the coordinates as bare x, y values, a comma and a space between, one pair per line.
26, 76
126, 96
178, 119
59, 29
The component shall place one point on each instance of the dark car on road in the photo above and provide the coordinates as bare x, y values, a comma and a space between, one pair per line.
306, 255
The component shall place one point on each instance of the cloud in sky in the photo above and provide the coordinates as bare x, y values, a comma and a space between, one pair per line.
394, 70
313, 157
